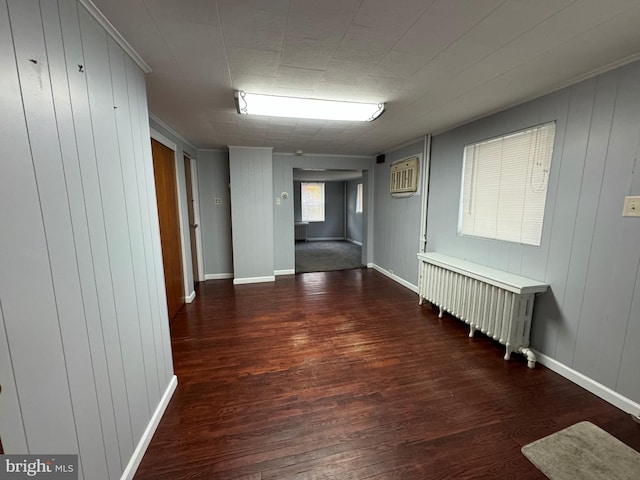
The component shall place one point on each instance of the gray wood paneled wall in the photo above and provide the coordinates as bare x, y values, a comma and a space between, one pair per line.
589, 320
396, 221
215, 219
85, 353
252, 200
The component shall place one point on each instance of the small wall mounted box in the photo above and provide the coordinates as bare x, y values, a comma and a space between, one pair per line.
631, 207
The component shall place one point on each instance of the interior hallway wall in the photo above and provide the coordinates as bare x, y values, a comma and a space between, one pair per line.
589, 254
85, 354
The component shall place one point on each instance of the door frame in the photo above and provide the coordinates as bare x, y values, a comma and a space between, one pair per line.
188, 294
196, 215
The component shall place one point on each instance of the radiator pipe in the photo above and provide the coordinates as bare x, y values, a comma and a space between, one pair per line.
426, 167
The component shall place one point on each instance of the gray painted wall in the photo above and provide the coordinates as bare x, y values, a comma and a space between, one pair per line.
85, 350
334, 212
283, 165
397, 221
252, 200
182, 149
354, 220
215, 220
589, 252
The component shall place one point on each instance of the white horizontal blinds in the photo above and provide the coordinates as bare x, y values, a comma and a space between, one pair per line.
505, 186
312, 199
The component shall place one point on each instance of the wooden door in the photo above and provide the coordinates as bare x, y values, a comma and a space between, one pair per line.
167, 194
192, 219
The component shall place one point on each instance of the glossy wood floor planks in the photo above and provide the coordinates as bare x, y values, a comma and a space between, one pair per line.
341, 375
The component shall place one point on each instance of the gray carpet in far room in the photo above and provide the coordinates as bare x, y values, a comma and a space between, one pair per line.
325, 256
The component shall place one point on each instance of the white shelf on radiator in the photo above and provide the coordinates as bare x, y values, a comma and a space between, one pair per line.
492, 276
497, 303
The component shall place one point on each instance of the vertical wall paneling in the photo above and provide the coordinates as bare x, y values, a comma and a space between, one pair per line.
589, 254
151, 332
108, 159
91, 246
85, 355
585, 215
628, 383
29, 304
215, 219
12, 431
94, 44
91, 249
615, 253
136, 243
72, 312
252, 200
397, 220
570, 173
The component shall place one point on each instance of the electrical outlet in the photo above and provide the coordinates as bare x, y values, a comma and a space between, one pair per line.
218, 201
631, 207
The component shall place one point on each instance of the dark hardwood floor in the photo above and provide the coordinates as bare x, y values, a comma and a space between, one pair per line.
341, 375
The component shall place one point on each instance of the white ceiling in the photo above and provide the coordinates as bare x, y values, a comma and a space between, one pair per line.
435, 63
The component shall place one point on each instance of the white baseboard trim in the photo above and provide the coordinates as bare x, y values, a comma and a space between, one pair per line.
242, 281
324, 239
190, 298
290, 271
138, 453
218, 276
395, 278
614, 398
355, 242
370, 265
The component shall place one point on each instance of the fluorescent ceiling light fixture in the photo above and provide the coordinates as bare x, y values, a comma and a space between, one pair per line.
275, 106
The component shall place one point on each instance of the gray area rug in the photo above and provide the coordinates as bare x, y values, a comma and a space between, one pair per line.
584, 452
327, 256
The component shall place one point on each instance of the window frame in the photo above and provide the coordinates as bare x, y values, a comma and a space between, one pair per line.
506, 206
359, 198
304, 205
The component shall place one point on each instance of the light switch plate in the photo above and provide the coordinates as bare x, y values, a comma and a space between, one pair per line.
631, 207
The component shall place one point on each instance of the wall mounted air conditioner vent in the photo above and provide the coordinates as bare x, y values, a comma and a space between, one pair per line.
404, 176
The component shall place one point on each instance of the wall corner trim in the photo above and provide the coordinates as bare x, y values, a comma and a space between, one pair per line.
191, 297
242, 281
395, 278
614, 398
144, 442
111, 30
156, 119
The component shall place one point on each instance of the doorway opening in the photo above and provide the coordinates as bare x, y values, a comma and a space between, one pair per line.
328, 210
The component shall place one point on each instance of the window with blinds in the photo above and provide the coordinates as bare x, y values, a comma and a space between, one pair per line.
312, 201
504, 186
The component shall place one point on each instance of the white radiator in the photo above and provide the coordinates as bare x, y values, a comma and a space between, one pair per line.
300, 231
497, 303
